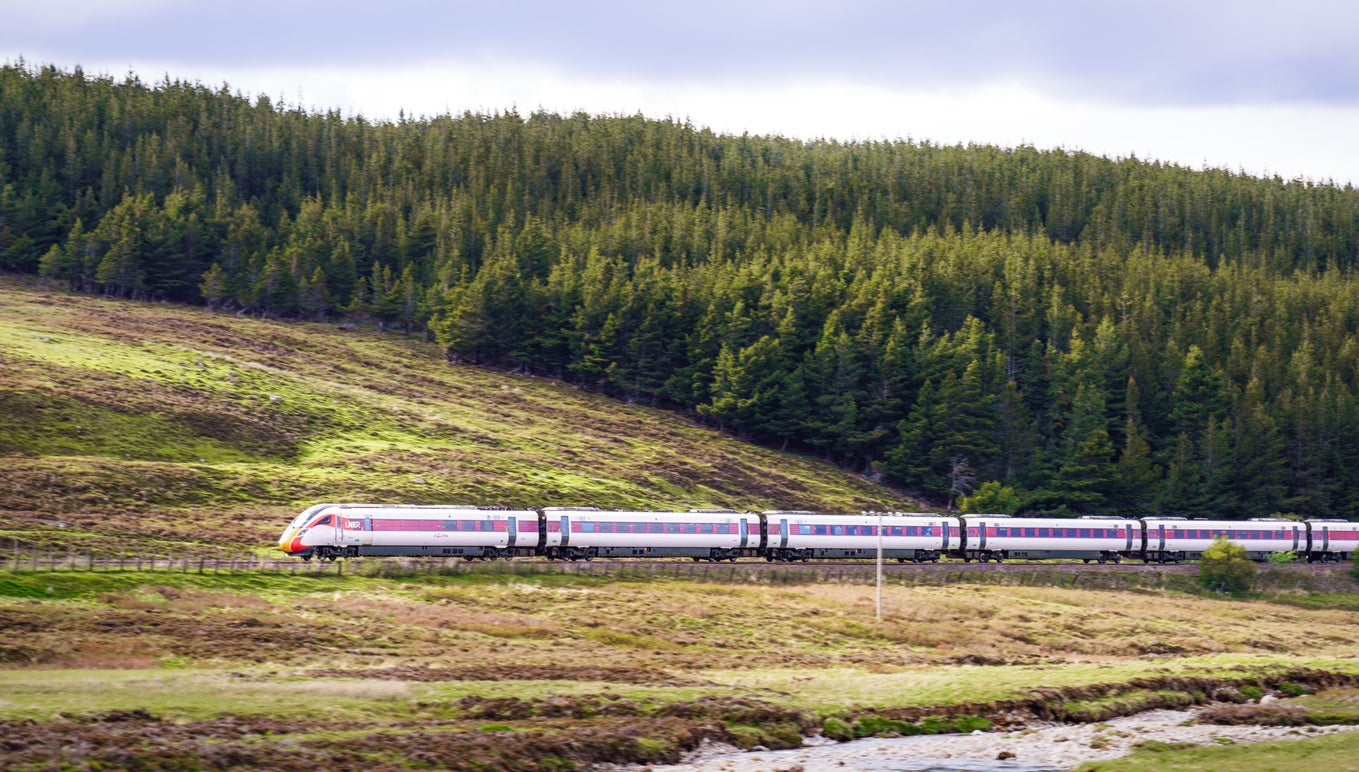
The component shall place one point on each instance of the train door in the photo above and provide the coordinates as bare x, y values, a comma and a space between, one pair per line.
783, 533
514, 533
1296, 534
981, 536
566, 530
945, 525
745, 532
1325, 538
1161, 538
350, 530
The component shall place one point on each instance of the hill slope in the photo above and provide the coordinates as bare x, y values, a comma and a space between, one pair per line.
164, 423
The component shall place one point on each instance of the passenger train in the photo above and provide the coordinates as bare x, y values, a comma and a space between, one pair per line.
331, 531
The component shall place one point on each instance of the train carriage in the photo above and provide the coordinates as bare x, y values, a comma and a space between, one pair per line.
802, 536
1001, 537
328, 531
701, 534
1331, 540
1173, 539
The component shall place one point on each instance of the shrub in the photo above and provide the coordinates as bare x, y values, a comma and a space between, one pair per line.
1282, 558
878, 726
1291, 689
969, 724
1224, 567
835, 729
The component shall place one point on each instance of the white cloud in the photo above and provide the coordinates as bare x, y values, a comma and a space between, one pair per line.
66, 15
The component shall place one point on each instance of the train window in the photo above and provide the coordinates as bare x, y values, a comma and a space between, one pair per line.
804, 530
852, 530
1030, 532
837, 530
587, 527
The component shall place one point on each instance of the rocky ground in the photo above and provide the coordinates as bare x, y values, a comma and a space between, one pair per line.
1059, 747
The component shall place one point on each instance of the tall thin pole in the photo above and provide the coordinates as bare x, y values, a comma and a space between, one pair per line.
880, 566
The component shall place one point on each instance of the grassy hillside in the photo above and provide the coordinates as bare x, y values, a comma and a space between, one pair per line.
168, 424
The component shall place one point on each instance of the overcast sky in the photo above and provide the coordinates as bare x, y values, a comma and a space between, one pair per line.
1263, 87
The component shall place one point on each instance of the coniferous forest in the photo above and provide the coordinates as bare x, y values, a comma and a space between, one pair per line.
1048, 331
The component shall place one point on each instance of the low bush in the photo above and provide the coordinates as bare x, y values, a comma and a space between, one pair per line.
1225, 568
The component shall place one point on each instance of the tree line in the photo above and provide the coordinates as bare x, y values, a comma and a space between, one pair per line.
1045, 331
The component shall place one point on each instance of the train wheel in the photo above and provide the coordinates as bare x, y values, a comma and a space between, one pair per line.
1102, 561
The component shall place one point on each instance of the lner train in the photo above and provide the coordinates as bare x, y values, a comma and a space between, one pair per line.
330, 531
